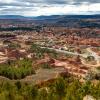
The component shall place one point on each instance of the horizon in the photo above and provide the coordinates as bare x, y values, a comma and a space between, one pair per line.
49, 7
52, 15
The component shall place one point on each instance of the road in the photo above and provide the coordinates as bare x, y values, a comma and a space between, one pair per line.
67, 52
92, 53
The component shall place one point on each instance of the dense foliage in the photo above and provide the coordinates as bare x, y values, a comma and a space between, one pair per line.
40, 51
17, 70
60, 89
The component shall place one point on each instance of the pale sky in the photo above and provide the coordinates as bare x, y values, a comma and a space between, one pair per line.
49, 7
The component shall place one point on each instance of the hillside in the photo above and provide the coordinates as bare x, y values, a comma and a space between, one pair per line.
71, 21
76, 21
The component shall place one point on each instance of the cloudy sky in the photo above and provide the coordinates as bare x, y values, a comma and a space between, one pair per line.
49, 7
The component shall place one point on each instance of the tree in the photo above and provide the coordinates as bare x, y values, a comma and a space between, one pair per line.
60, 88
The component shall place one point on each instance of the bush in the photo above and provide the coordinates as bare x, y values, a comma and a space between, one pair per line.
17, 70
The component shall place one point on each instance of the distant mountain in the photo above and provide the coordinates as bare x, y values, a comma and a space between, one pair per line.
48, 17
52, 17
67, 17
82, 16
80, 21
12, 17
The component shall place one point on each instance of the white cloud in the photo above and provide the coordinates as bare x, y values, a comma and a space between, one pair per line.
67, 9
7, 1
49, 7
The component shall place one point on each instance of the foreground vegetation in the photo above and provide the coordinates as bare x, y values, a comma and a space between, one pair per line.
17, 69
60, 89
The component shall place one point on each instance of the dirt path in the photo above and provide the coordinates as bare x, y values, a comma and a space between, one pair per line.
94, 54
